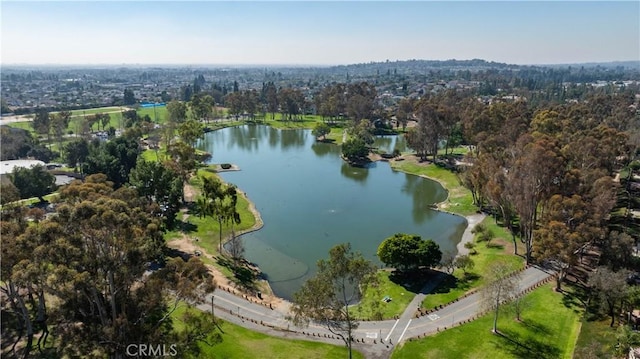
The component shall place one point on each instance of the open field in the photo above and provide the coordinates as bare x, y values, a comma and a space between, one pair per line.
241, 343
549, 329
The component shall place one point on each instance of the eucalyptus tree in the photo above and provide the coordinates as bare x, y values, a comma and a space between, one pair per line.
83, 275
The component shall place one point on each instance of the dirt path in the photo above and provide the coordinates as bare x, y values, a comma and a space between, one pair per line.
187, 245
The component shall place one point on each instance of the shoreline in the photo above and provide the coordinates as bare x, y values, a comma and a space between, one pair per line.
472, 220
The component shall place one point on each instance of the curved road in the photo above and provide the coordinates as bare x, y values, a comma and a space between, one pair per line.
248, 312
373, 338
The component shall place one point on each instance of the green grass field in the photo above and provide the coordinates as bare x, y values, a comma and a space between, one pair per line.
207, 229
549, 329
241, 343
596, 337
459, 201
372, 300
458, 284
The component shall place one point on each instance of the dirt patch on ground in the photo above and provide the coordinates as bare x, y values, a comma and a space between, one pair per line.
190, 193
189, 246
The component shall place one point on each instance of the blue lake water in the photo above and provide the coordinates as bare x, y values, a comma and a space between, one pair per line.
311, 200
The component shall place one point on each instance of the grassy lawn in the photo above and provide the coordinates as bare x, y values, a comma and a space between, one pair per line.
459, 201
159, 115
238, 342
372, 300
23, 125
206, 229
458, 284
548, 329
596, 336
306, 122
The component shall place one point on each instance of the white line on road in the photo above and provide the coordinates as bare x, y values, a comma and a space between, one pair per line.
404, 331
391, 331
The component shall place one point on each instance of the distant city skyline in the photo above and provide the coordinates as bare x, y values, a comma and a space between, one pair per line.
316, 33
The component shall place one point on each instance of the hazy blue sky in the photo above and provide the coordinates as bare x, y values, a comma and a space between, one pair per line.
300, 32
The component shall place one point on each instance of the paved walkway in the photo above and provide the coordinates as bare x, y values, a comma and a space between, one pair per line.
249, 313
375, 339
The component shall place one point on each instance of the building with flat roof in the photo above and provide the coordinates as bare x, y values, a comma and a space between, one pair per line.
7, 167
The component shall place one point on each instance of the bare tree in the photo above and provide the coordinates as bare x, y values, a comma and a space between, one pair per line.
326, 297
235, 247
502, 286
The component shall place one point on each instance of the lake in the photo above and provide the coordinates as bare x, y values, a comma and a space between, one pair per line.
310, 200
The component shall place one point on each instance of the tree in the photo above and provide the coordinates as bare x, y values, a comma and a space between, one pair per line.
33, 182
354, 150
409, 252
404, 112
566, 227
291, 102
190, 131
530, 184
325, 298
183, 159
8, 193
129, 97
464, 262
42, 122
177, 111
90, 259
110, 240
115, 159
201, 107
321, 130
609, 288
76, 152
234, 102
219, 201
59, 124
502, 285
159, 184
271, 98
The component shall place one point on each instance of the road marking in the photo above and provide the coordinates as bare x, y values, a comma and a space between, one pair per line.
372, 335
433, 316
404, 331
391, 331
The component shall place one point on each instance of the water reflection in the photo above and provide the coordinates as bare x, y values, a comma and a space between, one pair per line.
423, 197
358, 174
322, 149
388, 144
308, 206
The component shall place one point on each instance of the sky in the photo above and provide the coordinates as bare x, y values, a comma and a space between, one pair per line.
316, 33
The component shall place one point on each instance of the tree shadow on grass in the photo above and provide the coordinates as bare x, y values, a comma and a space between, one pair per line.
185, 226
535, 327
413, 281
243, 275
574, 300
524, 347
451, 282
494, 245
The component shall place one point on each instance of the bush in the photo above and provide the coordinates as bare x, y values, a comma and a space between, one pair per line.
479, 228
486, 236
471, 247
